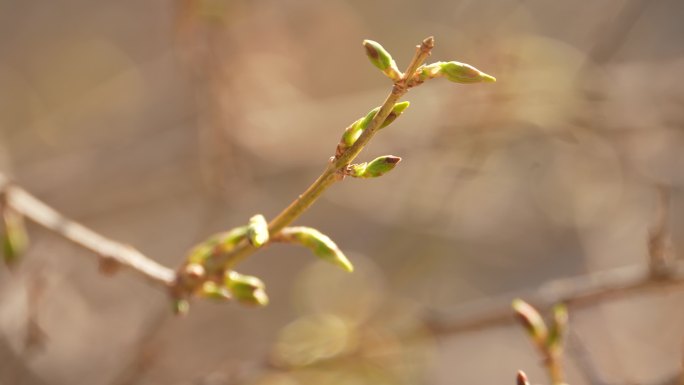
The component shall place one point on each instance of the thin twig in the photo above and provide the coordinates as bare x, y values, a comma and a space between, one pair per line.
660, 252
577, 292
107, 249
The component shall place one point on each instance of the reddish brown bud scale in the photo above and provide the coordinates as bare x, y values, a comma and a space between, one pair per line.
521, 378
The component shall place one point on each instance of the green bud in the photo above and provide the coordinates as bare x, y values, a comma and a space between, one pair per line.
322, 246
381, 59
531, 320
212, 290
396, 111
14, 236
558, 327
181, 306
354, 131
221, 242
375, 168
463, 73
257, 230
246, 289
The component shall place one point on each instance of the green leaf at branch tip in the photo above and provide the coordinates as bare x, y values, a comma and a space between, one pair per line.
15, 239
221, 242
375, 168
320, 244
531, 320
246, 289
463, 73
257, 230
381, 59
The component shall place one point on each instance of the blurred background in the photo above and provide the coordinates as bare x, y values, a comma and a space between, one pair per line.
158, 123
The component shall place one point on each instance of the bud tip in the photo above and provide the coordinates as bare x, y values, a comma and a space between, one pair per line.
521, 378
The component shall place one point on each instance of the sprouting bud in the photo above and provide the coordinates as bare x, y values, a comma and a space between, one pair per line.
558, 327
214, 291
246, 289
463, 73
373, 169
321, 245
396, 111
221, 242
531, 320
257, 230
521, 378
354, 131
14, 236
382, 59
181, 306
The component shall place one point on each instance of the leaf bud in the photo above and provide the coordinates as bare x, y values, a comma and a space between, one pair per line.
382, 59
531, 320
257, 230
212, 290
558, 327
320, 244
246, 289
373, 169
463, 73
14, 236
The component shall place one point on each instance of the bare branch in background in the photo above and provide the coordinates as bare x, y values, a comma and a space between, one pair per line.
108, 250
577, 292
660, 252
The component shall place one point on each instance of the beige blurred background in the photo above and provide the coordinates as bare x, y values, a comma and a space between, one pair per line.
158, 123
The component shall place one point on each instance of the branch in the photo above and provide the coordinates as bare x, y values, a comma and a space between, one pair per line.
110, 252
332, 172
577, 292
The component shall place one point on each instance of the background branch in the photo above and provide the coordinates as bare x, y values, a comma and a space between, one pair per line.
108, 250
576, 292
